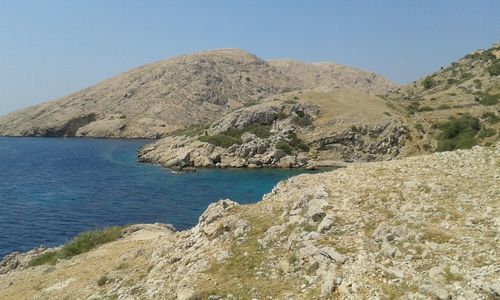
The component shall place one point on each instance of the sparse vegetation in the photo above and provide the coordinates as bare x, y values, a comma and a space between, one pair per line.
78, 245
487, 132
190, 131
220, 140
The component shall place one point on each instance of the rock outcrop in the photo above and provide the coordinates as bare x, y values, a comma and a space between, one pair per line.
273, 148
423, 227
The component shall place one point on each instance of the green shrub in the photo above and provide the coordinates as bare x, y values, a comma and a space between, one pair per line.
426, 108
451, 81
494, 68
491, 117
458, 133
413, 107
428, 82
443, 106
47, 258
488, 99
84, 242
283, 145
89, 240
419, 127
302, 121
282, 116
102, 280
487, 132
297, 143
466, 76
262, 131
220, 140
290, 101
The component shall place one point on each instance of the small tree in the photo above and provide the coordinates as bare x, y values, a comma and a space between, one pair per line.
428, 83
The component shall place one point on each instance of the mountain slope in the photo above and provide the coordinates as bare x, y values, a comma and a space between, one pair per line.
466, 90
327, 76
154, 99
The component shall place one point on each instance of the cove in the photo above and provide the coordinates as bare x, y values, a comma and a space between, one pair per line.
51, 189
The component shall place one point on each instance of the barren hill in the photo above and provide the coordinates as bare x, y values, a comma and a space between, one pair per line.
198, 88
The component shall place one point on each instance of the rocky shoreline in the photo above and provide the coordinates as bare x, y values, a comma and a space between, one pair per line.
415, 228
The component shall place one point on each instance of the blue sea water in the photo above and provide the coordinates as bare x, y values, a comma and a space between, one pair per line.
52, 189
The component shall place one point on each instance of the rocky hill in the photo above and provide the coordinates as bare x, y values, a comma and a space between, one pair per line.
297, 129
444, 104
154, 99
424, 227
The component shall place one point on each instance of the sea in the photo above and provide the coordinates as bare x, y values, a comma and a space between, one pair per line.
52, 189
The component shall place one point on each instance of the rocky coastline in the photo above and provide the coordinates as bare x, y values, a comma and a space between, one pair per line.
407, 228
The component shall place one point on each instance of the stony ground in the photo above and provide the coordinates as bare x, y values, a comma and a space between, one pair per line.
416, 228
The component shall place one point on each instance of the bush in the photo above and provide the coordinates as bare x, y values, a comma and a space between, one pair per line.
494, 68
47, 258
297, 143
283, 145
220, 140
282, 116
84, 242
419, 127
458, 133
89, 240
428, 82
102, 280
488, 99
262, 131
301, 121
491, 117
486, 133
443, 106
426, 108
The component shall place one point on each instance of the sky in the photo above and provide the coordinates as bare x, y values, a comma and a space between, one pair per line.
52, 48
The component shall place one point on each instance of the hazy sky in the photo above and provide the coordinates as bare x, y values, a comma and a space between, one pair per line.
51, 48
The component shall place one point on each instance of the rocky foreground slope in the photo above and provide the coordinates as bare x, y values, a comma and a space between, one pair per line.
154, 99
416, 228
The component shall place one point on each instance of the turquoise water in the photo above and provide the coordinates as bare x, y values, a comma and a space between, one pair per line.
53, 189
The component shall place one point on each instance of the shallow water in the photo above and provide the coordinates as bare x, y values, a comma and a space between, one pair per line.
53, 189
